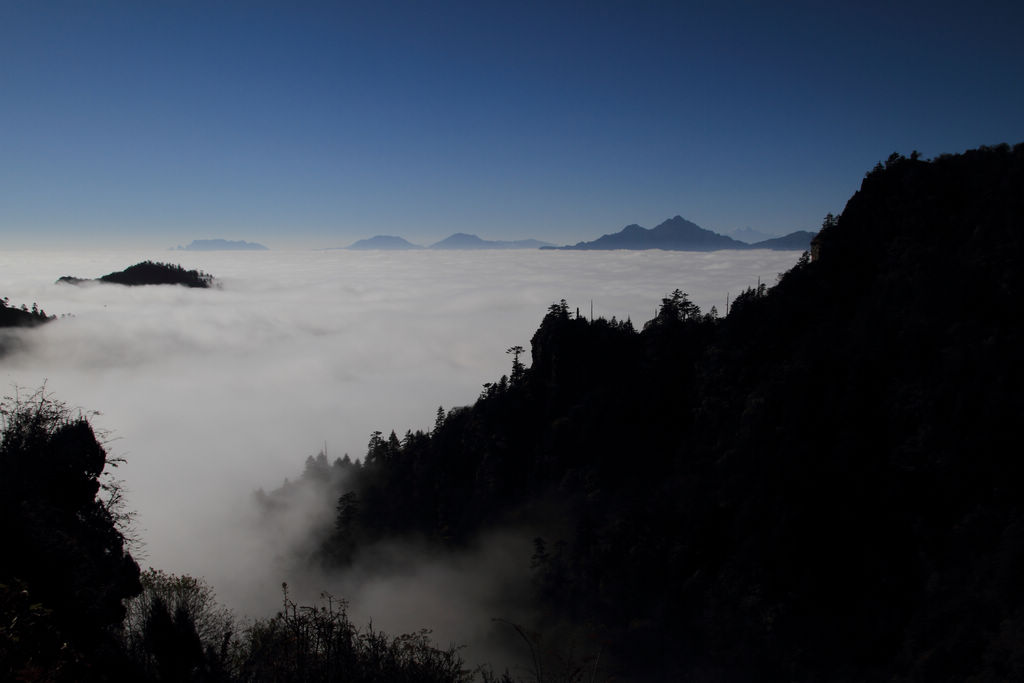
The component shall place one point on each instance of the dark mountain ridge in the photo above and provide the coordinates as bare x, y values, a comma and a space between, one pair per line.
821, 486
674, 234
679, 234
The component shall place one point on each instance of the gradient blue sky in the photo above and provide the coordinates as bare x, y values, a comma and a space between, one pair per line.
316, 124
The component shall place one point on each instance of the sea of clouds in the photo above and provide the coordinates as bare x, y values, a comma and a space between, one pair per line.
209, 395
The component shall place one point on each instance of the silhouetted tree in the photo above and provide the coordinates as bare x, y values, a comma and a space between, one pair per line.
517, 366
675, 308
177, 631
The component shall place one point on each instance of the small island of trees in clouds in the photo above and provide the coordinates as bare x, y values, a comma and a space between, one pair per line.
150, 273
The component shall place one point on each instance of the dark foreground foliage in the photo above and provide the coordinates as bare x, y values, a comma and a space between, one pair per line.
74, 607
64, 568
320, 643
151, 273
176, 631
821, 486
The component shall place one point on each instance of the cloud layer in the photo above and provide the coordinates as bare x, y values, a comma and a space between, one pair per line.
212, 394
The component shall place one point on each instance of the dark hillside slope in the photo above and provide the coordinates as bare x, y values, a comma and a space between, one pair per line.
825, 485
857, 434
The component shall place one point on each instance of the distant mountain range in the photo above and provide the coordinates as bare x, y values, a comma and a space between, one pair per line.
459, 240
222, 245
675, 234
679, 234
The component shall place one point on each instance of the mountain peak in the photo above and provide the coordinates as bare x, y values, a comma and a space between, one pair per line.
674, 234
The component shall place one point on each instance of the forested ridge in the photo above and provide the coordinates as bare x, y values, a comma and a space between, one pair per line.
820, 485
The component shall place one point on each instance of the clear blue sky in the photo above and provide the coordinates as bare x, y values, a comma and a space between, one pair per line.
316, 124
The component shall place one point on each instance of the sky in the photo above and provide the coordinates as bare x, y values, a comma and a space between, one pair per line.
308, 125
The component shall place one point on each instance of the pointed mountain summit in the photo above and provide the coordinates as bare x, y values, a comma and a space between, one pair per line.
675, 234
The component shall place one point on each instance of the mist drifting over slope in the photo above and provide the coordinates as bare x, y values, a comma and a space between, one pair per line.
212, 394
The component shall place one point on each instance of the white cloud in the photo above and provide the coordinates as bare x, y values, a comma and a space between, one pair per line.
212, 394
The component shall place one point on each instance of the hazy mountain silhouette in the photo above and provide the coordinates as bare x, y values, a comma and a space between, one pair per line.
222, 245
794, 241
386, 242
749, 235
675, 234
461, 240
